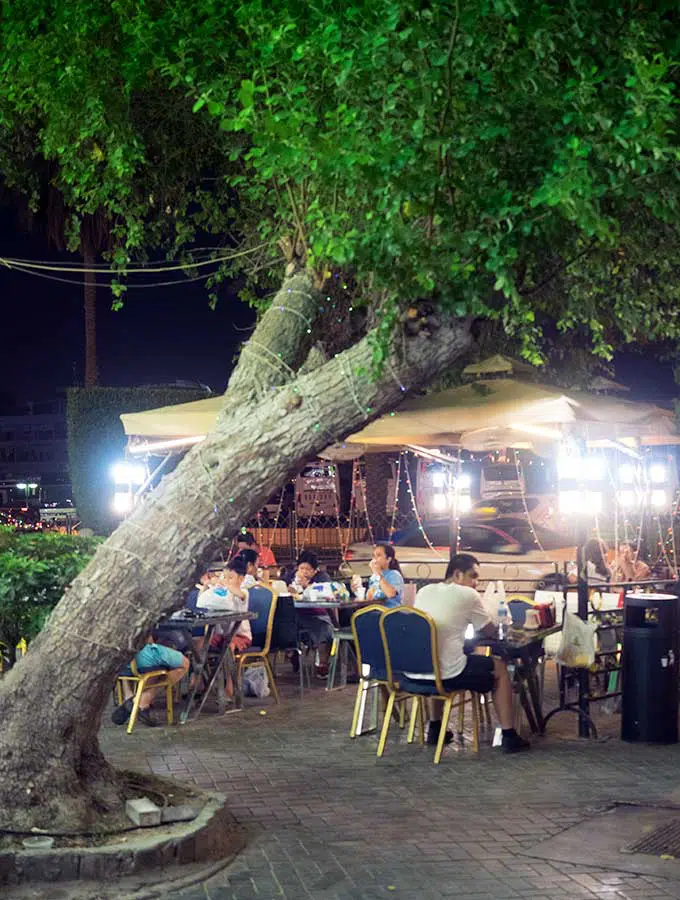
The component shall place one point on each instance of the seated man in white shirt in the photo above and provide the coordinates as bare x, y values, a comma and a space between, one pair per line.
454, 605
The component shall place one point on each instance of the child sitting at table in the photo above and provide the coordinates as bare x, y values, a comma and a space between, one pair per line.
228, 594
152, 656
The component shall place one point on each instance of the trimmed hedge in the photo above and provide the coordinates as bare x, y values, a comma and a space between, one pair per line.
35, 569
96, 441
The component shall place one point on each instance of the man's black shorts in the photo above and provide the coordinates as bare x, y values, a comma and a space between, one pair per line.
476, 676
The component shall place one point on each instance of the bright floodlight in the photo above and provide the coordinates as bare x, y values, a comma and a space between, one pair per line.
593, 502
122, 502
33, 486
626, 473
571, 502
439, 502
464, 482
627, 498
128, 473
595, 468
658, 498
464, 503
657, 473
439, 479
21, 485
568, 465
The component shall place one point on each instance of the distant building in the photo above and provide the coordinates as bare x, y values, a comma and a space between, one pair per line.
34, 455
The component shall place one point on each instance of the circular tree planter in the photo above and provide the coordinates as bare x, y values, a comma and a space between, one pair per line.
139, 859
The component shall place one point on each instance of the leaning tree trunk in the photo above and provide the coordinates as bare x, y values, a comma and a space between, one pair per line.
52, 772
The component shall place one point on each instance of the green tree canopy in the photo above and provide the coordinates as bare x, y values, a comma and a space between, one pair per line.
472, 153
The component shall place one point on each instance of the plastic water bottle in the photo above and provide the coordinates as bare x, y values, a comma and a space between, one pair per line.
504, 620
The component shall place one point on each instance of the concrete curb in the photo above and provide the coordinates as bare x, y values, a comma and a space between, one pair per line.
213, 835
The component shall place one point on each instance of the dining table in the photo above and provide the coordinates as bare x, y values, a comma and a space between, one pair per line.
217, 667
342, 636
523, 651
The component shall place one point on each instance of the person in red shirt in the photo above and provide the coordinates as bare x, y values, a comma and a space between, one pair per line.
245, 540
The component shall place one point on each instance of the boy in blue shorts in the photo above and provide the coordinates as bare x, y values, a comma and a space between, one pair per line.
151, 656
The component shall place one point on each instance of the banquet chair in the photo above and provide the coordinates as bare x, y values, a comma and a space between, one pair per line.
285, 636
261, 600
518, 604
370, 654
410, 644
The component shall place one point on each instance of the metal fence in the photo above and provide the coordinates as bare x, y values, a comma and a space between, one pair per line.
287, 534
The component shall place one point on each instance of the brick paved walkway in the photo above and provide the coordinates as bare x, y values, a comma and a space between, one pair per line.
330, 821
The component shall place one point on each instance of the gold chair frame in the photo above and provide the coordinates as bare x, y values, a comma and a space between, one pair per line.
145, 681
254, 657
452, 699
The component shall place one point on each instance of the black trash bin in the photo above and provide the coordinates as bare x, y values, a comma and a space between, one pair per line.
649, 704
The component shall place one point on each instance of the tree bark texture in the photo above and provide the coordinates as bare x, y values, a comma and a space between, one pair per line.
52, 773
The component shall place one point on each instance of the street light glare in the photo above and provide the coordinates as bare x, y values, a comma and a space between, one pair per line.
570, 502
626, 473
128, 473
627, 498
657, 498
122, 502
568, 466
657, 473
439, 502
439, 479
595, 468
464, 503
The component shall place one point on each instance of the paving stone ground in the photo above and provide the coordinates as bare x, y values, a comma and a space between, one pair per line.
330, 821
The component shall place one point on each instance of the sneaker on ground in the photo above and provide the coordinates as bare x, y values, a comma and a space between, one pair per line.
121, 713
322, 671
433, 732
514, 743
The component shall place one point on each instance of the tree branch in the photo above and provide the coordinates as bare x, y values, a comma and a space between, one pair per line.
280, 343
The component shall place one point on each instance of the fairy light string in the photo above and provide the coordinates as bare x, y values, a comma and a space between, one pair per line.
368, 518
342, 543
409, 487
397, 481
520, 478
352, 505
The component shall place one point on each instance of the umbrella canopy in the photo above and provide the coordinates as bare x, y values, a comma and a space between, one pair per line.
484, 415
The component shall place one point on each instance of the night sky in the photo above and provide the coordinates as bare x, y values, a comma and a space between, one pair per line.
162, 334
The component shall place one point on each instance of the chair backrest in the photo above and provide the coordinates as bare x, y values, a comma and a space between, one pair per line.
285, 628
518, 604
262, 600
410, 642
368, 641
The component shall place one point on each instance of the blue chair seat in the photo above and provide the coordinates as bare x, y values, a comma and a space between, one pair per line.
416, 686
